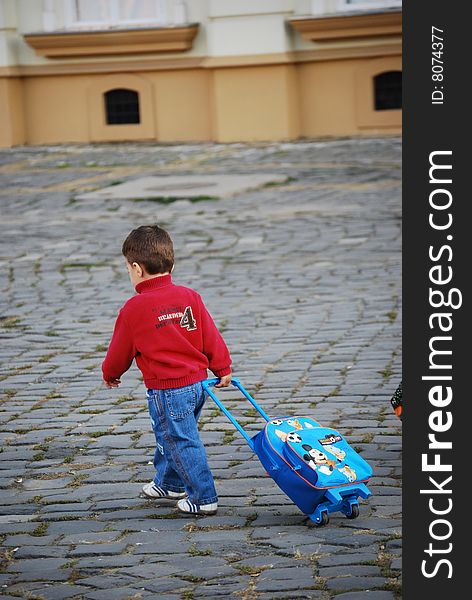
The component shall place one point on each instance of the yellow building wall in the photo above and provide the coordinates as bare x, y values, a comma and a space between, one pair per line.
12, 126
336, 98
182, 105
56, 109
293, 88
223, 104
327, 98
255, 103
60, 109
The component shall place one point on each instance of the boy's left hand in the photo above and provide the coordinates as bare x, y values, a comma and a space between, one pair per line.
112, 383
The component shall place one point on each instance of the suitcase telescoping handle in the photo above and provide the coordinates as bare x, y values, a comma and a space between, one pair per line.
208, 383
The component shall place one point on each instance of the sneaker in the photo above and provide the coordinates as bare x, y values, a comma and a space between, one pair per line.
188, 507
151, 490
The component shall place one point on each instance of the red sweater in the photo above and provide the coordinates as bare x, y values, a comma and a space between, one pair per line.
170, 333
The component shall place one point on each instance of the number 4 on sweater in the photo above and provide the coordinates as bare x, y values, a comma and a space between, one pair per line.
187, 320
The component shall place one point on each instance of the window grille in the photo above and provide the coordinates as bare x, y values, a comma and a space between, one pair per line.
122, 107
388, 90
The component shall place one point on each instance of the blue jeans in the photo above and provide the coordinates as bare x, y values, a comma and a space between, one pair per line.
180, 459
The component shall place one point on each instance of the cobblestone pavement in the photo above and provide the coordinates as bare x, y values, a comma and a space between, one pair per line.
302, 278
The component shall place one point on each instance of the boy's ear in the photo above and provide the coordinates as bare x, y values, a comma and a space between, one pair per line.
138, 268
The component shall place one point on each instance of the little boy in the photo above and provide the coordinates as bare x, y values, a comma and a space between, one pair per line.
174, 340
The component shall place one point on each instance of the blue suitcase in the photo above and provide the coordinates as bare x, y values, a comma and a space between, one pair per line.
312, 464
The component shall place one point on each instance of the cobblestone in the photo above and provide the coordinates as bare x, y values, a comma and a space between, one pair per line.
302, 277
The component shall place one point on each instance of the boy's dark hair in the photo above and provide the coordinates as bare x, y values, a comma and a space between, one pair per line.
151, 247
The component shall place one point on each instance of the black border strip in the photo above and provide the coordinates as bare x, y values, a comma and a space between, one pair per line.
436, 133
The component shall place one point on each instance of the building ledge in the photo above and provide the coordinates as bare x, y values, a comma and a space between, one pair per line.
68, 44
348, 26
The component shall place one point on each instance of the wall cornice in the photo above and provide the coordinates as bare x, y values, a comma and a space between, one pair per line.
341, 27
104, 43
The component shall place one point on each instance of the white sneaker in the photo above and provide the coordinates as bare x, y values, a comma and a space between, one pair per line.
188, 507
151, 490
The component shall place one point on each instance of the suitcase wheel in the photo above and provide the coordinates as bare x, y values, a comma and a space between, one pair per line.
354, 512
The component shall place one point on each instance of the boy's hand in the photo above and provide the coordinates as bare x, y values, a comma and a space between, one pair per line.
224, 381
113, 383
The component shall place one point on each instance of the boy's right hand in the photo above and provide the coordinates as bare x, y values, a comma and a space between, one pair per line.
224, 381
112, 383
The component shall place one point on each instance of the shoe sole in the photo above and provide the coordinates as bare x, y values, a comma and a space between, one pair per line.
200, 513
163, 497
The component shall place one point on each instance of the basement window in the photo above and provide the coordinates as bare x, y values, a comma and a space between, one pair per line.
122, 107
388, 90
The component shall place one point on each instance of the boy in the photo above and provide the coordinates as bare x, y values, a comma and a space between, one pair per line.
174, 340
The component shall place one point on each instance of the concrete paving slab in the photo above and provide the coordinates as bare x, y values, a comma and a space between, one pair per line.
184, 186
